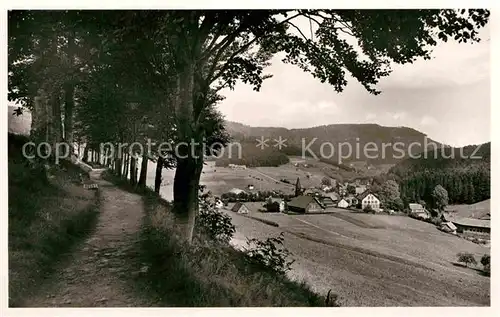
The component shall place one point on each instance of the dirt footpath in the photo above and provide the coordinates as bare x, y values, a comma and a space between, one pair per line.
95, 275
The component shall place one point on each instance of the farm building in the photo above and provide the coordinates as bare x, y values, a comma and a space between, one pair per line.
305, 204
333, 196
275, 205
469, 225
236, 191
369, 199
250, 187
240, 208
219, 203
326, 201
343, 203
326, 188
312, 191
448, 227
419, 211
360, 189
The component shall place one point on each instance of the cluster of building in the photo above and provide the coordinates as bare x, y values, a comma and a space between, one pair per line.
317, 199
466, 226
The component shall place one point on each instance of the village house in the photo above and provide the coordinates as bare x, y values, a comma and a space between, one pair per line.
333, 196
236, 191
342, 190
474, 226
305, 204
275, 205
219, 203
448, 227
326, 188
419, 211
369, 199
343, 203
240, 208
360, 189
326, 202
312, 191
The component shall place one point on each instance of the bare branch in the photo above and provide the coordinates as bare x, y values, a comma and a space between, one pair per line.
297, 28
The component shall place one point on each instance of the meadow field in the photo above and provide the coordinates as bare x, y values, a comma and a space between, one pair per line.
477, 210
374, 260
369, 260
220, 180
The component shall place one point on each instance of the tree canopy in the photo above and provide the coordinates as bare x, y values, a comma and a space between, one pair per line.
158, 74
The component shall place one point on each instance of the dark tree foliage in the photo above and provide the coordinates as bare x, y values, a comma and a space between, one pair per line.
466, 179
173, 63
251, 156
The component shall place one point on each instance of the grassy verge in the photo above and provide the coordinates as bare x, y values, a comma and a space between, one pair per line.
47, 217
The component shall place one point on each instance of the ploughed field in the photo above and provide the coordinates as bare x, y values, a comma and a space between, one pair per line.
374, 260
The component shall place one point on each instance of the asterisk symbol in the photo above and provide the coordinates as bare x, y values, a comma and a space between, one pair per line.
280, 142
262, 142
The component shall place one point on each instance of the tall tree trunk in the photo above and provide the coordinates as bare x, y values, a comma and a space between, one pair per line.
186, 187
144, 171
69, 104
118, 164
85, 157
124, 165
133, 176
159, 169
69, 94
56, 122
106, 158
127, 164
189, 163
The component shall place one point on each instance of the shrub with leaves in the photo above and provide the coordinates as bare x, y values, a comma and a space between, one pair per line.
466, 258
211, 221
486, 262
270, 253
485, 259
369, 209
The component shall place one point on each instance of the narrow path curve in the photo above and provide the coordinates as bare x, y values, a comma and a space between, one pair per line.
96, 273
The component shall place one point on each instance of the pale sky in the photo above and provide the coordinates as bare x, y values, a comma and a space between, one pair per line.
447, 98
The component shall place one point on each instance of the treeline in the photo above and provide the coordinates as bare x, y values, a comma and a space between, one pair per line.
463, 172
464, 186
252, 156
254, 197
465, 157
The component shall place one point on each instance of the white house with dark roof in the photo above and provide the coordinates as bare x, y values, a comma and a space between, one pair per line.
419, 211
236, 191
369, 199
240, 208
343, 203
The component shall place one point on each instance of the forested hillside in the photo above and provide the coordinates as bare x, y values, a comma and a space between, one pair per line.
355, 135
252, 156
463, 172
